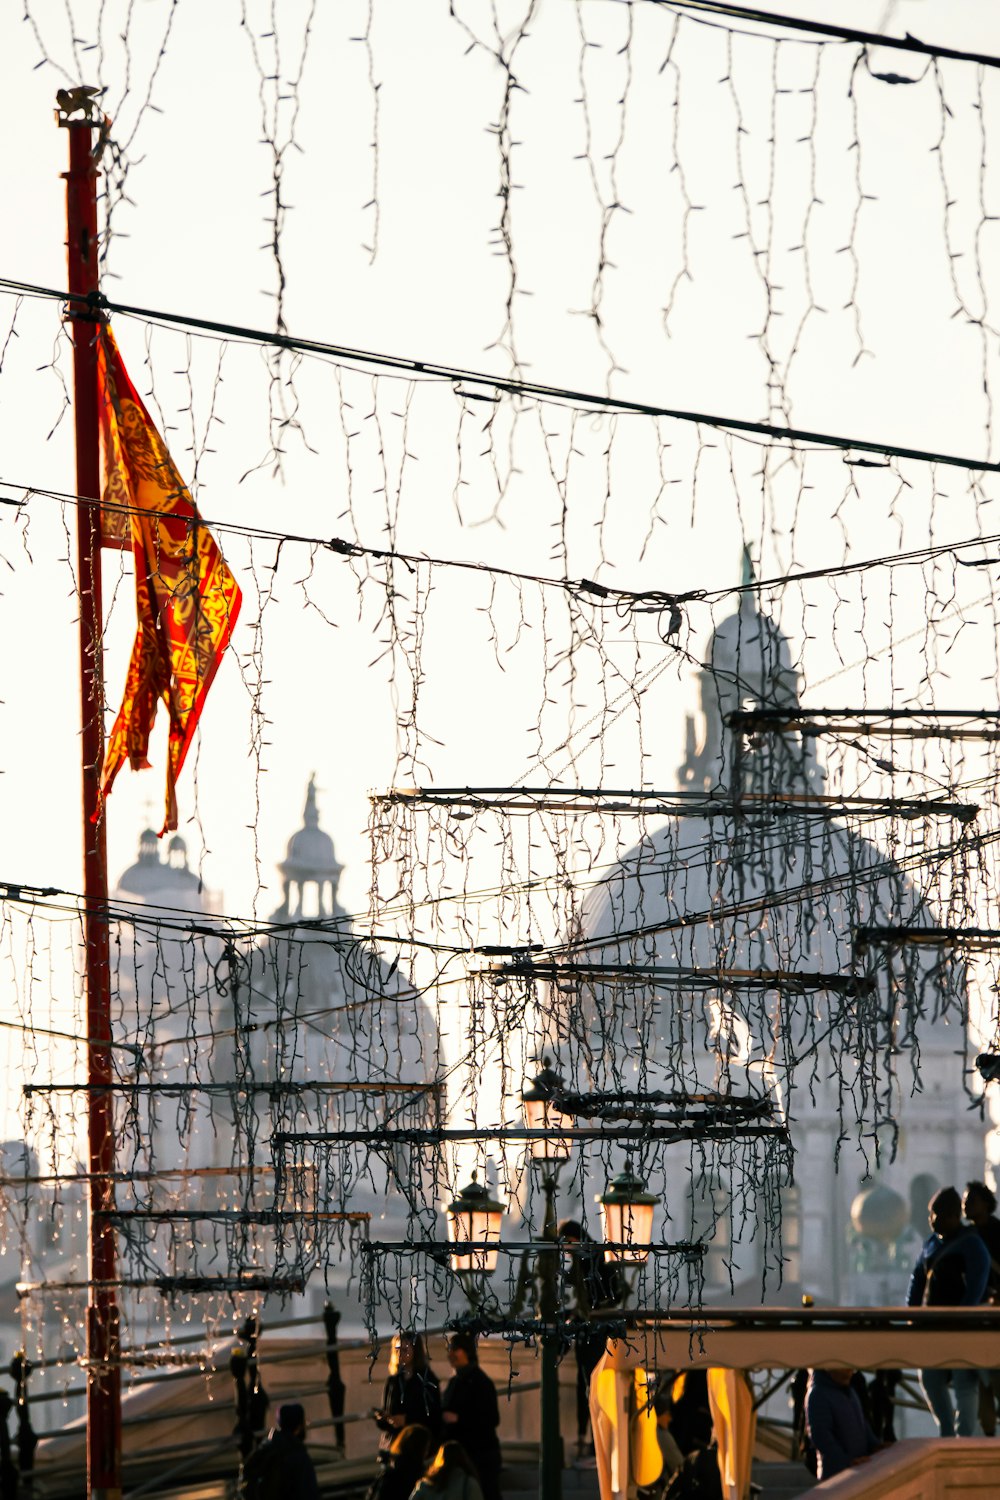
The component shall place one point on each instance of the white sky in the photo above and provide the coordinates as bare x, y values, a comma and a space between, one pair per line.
190, 240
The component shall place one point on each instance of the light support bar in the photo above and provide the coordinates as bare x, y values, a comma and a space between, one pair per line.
278, 1088
872, 723
264, 1216
691, 1250
578, 800
168, 1286
657, 977
594, 1104
970, 938
689, 1127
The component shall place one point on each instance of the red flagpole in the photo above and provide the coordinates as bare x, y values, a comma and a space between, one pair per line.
103, 1370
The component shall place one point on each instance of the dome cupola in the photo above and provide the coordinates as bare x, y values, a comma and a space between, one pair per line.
748, 665
166, 882
310, 871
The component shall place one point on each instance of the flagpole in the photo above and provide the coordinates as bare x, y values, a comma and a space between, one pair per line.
103, 1369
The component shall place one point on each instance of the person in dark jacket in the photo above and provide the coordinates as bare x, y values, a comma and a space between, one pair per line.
596, 1285
281, 1468
471, 1413
408, 1455
952, 1271
979, 1207
411, 1395
835, 1422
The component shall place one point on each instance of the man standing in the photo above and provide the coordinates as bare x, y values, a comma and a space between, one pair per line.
952, 1271
281, 1468
979, 1207
836, 1423
412, 1393
471, 1413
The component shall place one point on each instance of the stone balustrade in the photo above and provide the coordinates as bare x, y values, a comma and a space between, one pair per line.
921, 1469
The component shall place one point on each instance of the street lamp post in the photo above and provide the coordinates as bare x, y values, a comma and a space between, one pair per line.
548, 1152
474, 1230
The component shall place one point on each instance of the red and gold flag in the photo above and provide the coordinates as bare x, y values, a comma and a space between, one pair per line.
187, 601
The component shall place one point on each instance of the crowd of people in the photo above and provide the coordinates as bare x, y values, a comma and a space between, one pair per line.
958, 1266
436, 1443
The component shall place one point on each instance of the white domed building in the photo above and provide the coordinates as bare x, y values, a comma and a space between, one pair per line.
851, 1047
234, 1038
162, 996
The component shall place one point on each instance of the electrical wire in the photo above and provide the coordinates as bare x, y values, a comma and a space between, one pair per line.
498, 384
828, 30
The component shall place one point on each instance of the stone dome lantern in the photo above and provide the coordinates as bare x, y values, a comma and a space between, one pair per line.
879, 1214
362, 1016
310, 871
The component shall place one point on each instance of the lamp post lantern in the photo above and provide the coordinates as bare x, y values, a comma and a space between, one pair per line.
541, 1112
627, 1211
474, 1219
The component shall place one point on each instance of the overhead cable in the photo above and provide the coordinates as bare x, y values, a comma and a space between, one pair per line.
498, 384
608, 596
830, 30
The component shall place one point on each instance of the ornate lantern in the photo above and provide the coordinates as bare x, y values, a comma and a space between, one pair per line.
627, 1212
540, 1113
474, 1218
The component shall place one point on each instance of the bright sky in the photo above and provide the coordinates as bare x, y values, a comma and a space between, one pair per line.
595, 124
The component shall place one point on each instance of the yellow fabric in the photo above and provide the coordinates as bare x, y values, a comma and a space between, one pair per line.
735, 1423
619, 1399
604, 1421
647, 1459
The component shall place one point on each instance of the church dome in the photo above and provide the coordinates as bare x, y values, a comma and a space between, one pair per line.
349, 1026
754, 649
727, 892
688, 951
372, 1019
